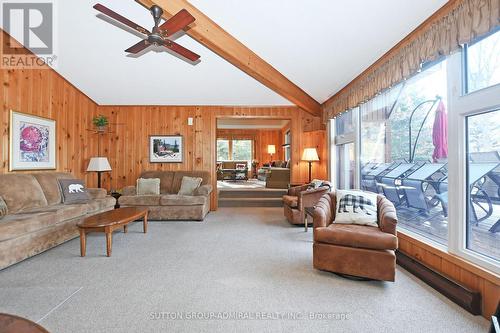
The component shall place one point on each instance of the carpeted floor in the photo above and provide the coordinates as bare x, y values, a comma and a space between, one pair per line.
246, 263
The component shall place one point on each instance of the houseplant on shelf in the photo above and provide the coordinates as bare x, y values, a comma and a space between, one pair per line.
100, 122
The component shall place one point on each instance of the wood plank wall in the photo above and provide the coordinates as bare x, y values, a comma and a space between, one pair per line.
45, 93
457, 269
262, 138
128, 153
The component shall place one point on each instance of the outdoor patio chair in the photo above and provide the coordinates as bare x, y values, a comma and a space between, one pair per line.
391, 181
369, 181
491, 187
417, 184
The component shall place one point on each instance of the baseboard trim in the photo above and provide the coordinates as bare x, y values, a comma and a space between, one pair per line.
468, 299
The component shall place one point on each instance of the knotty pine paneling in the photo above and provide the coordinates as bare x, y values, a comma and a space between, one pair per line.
457, 269
127, 146
44, 93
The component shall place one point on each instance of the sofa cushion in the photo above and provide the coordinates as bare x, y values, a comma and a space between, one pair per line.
182, 200
21, 192
4, 210
142, 200
98, 205
291, 201
62, 212
73, 191
359, 236
176, 184
50, 185
166, 179
148, 186
189, 185
17, 225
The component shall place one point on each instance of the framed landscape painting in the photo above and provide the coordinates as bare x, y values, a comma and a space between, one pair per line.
166, 149
32, 142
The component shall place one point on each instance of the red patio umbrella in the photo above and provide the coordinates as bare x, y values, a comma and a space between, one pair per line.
440, 133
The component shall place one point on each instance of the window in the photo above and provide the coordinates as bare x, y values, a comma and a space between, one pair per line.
482, 61
242, 150
222, 150
235, 150
345, 137
287, 145
483, 190
403, 152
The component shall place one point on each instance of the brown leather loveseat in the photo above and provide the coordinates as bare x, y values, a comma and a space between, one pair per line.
357, 250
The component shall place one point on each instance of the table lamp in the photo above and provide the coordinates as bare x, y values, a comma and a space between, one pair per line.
310, 155
271, 149
99, 165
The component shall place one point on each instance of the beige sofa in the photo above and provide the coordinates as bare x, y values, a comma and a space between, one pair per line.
37, 220
169, 205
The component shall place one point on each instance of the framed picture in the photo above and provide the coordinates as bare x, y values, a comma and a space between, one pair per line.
166, 149
32, 142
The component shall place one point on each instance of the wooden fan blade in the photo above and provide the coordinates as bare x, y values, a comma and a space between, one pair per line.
142, 45
181, 50
177, 22
120, 18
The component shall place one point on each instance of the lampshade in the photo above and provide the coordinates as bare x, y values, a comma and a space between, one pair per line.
99, 164
271, 149
310, 154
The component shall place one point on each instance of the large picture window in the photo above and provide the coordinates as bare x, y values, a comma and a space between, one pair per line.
404, 150
482, 61
483, 175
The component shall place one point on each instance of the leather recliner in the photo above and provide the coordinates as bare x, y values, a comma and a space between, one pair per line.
356, 250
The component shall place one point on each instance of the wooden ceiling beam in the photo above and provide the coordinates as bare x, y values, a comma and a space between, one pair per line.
211, 35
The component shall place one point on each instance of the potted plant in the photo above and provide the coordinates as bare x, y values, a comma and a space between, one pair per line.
100, 122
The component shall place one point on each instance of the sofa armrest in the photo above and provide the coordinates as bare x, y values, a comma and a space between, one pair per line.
97, 193
323, 213
387, 216
203, 190
129, 190
310, 198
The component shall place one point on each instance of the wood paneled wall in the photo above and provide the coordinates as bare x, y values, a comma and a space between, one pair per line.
127, 146
457, 269
45, 93
261, 138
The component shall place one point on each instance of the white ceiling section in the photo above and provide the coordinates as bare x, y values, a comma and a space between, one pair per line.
320, 45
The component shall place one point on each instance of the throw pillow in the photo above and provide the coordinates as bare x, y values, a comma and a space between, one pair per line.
356, 207
189, 184
315, 183
73, 191
3, 208
241, 166
148, 186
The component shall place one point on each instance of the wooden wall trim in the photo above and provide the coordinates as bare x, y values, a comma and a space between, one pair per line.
440, 13
211, 35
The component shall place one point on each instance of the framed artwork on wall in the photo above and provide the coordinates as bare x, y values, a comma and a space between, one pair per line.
32, 142
166, 149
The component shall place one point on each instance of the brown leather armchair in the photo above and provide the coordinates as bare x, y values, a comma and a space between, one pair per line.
298, 198
356, 250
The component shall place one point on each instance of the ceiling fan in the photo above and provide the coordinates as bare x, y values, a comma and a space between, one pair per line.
159, 34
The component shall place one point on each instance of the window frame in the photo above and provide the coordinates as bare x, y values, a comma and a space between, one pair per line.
462, 106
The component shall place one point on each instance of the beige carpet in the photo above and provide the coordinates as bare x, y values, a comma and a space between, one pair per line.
247, 265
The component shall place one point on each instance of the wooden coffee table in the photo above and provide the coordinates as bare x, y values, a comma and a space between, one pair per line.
15, 324
108, 222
